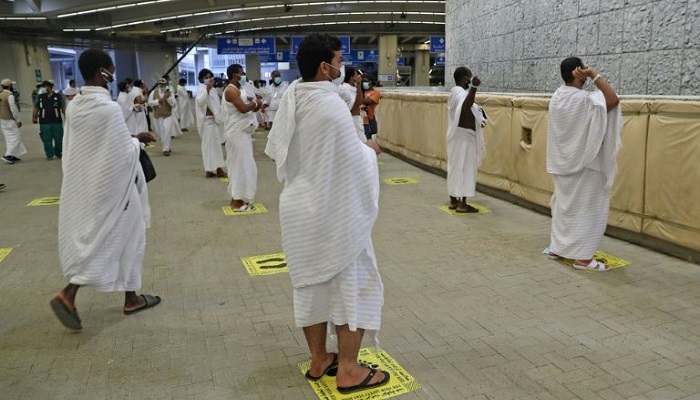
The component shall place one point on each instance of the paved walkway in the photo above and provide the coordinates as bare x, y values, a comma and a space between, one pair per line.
473, 310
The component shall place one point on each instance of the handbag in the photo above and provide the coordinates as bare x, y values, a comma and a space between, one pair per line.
149, 171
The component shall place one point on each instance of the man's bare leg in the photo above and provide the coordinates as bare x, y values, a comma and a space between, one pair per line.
67, 295
350, 373
316, 340
133, 301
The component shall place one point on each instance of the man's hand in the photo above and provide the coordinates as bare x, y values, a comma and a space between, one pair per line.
374, 146
19, 124
476, 81
210, 85
35, 120
145, 137
583, 73
357, 80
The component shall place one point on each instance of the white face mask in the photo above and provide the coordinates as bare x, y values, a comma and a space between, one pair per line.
42, 91
242, 80
278, 80
339, 80
206, 81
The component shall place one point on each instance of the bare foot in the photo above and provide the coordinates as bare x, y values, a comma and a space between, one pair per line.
319, 368
348, 377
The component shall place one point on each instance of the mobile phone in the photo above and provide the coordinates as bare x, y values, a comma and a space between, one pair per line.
359, 72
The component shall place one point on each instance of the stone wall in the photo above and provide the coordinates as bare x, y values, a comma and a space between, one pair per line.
643, 47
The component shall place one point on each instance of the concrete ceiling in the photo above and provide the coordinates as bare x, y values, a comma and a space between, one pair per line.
184, 21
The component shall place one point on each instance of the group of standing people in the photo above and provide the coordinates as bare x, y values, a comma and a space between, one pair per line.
583, 137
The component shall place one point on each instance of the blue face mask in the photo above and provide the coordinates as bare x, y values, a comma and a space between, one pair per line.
278, 80
365, 85
242, 81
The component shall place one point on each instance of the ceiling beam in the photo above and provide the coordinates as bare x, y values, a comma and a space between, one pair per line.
35, 5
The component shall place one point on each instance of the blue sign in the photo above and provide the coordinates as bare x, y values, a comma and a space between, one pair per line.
280, 56
364, 55
344, 40
242, 45
440, 61
437, 44
400, 61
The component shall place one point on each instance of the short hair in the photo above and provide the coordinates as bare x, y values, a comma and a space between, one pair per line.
72, 81
233, 69
461, 73
567, 68
182, 81
129, 81
91, 60
122, 86
138, 83
202, 73
349, 73
314, 50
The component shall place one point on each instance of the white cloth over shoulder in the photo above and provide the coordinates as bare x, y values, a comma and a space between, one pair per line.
465, 147
138, 122
104, 212
184, 108
126, 106
582, 133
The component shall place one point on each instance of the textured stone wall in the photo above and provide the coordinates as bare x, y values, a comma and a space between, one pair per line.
643, 47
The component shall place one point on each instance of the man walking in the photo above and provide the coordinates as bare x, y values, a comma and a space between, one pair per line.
48, 112
10, 123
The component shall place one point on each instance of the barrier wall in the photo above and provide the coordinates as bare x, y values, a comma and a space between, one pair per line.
657, 187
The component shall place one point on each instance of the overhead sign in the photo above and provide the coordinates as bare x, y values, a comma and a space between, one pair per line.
440, 61
400, 61
365, 55
437, 44
280, 56
344, 40
246, 45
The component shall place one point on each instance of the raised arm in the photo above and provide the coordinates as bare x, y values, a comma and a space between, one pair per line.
611, 99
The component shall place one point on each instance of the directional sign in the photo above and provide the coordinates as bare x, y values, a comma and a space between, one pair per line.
437, 44
279, 56
400, 61
344, 40
440, 61
364, 55
242, 45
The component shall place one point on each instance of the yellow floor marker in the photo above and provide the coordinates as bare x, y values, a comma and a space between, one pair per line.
608, 259
4, 252
45, 201
400, 181
259, 209
482, 210
224, 180
267, 264
380, 162
401, 382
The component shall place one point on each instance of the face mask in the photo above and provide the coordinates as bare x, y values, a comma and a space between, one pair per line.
42, 91
109, 77
206, 81
339, 80
466, 85
278, 80
365, 85
242, 81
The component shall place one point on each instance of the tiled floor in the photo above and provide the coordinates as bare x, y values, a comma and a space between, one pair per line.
473, 310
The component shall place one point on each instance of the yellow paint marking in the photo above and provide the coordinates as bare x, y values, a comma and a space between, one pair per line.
401, 382
606, 258
267, 264
482, 210
45, 201
400, 181
259, 209
4, 252
224, 180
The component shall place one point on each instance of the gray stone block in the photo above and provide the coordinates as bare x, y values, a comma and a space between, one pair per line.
668, 24
610, 32
636, 35
587, 41
664, 72
690, 73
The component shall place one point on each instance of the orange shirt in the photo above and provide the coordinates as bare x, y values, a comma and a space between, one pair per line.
374, 95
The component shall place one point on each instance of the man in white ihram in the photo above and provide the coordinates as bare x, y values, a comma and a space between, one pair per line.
207, 106
465, 140
103, 215
582, 142
328, 242
273, 97
163, 102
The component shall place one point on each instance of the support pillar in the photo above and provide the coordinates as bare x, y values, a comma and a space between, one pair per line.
421, 70
252, 67
387, 60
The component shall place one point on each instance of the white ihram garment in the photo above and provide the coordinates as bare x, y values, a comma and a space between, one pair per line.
240, 163
126, 107
137, 123
348, 93
184, 108
103, 214
209, 128
273, 98
465, 147
13, 139
582, 143
327, 241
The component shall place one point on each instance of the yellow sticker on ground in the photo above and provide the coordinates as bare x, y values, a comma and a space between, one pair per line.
608, 259
401, 382
259, 209
400, 181
4, 252
267, 264
45, 201
380, 162
482, 210
224, 180
150, 145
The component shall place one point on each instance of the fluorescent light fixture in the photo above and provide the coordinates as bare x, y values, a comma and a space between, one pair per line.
95, 10
22, 18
